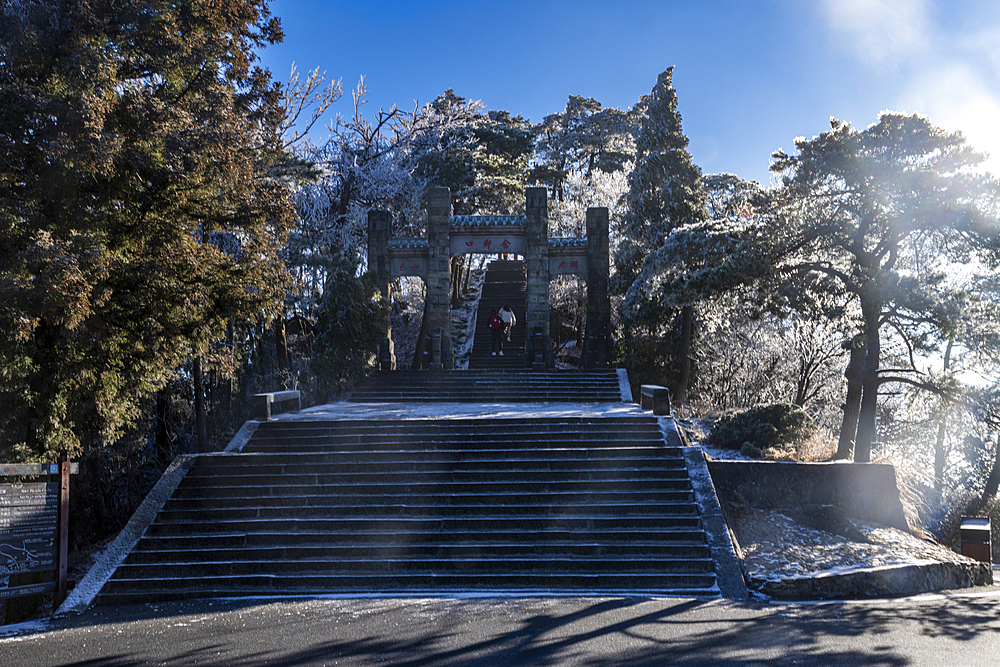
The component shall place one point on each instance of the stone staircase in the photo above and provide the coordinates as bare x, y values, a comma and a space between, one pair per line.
489, 386
565, 505
504, 284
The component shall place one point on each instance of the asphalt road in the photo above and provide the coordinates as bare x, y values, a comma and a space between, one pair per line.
962, 630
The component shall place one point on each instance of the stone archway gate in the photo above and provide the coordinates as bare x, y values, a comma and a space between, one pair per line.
527, 235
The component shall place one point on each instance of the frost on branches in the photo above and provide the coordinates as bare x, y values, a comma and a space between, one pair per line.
372, 164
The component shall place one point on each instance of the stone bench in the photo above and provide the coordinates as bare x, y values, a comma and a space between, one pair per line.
655, 398
262, 403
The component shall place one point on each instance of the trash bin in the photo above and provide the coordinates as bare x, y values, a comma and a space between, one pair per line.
976, 538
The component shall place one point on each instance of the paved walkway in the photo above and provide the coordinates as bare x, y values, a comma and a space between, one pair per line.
926, 630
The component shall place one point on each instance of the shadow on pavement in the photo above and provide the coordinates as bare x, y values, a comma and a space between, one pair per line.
520, 631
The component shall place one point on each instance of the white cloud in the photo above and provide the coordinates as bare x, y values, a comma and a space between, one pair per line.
949, 74
982, 46
880, 32
953, 96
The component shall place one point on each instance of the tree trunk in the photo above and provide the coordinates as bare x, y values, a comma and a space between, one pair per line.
281, 342
418, 353
869, 386
457, 265
164, 451
199, 406
684, 353
226, 404
992, 483
852, 404
939, 452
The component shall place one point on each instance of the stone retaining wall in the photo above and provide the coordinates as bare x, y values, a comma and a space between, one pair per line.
823, 491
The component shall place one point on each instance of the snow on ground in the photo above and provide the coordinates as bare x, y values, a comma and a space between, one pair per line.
775, 547
345, 410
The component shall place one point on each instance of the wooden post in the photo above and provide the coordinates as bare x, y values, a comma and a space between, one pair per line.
62, 563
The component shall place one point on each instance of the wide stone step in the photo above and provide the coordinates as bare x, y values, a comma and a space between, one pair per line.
125, 591
465, 397
195, 496
631, 479
258, 485
390, 512
442, 526
579, 386
556, 447
553, 566
490, 388
498, 436
437, 461
433, 423
495, 379
320, 447
287, 536
182, 549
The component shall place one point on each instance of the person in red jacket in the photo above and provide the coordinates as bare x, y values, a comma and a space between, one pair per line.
497, 327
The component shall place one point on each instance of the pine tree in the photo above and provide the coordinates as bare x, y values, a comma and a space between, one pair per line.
856, 203
136, 214
665, 193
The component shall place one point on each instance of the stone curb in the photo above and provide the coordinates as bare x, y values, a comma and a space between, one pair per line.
728, 572
84, 593
82, 596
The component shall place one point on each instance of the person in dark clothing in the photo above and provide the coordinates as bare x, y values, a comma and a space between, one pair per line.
496, 326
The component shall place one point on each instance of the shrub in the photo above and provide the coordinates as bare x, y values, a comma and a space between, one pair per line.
778, 426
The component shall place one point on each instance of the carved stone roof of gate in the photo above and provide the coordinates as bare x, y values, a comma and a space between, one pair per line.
567, 242
408, 242
484, 220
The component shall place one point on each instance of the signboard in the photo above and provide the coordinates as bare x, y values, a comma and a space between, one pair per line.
34, 528
572, 265
28, 527
500, 242
30, 589
409, 266
18, 469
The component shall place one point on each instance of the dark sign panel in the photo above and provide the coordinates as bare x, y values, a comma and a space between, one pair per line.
28, 523
30, 589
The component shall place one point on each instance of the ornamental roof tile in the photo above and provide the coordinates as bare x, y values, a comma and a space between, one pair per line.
567, 242
483, 220
408, 242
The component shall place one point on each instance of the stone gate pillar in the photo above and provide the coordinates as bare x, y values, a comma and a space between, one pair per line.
438, 274
598, 338
379, 231
536, 241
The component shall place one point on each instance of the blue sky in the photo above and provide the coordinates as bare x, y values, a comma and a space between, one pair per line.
750, 76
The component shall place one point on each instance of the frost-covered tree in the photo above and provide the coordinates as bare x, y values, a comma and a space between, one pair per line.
583, 138
567, 218
384, 162
501, 161
665, 193
853, 203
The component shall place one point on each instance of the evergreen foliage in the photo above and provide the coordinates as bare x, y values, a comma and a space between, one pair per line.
665, 190
136, 216
665, 193
350, 324
779, 426
853, 207
583, 138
